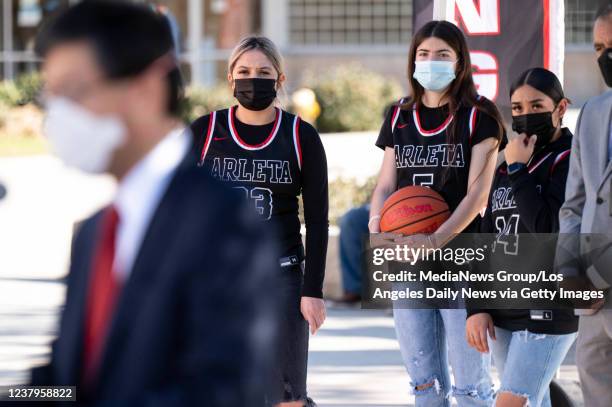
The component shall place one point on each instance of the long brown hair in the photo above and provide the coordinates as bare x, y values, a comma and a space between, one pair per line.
462, 91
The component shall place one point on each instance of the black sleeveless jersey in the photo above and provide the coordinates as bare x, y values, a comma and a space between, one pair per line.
525, 202
424, 156
268, 173
541, 181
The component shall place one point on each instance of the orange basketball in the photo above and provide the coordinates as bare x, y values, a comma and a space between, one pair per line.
413, 210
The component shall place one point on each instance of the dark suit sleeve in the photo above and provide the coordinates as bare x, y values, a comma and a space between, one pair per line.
231, 310
540, 211
226, 307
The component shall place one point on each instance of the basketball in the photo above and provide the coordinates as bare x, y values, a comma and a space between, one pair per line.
412, 210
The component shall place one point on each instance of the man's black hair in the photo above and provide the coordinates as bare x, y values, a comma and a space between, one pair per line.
126, 38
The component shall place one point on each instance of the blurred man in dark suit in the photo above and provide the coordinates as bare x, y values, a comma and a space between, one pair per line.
164, 301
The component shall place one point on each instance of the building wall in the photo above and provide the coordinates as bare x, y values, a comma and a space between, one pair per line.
581, 73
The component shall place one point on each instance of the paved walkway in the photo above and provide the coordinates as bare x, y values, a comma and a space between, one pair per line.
355, 362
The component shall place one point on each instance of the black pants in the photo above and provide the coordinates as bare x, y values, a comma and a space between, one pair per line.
292, 355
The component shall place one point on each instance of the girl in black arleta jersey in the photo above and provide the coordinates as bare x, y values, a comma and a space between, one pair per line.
445, 137
272, 157
528, 191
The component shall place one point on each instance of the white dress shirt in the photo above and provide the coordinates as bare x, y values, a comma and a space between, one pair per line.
139, 194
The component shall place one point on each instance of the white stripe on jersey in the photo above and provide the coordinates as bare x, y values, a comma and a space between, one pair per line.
296, 141
532, 169
429, 133
396, 115
472, 122
561, 156
266, 143
209, 135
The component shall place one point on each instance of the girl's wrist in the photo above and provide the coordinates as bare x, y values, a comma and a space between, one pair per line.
372, 219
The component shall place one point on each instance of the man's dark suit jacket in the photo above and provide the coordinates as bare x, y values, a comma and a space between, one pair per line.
194, 321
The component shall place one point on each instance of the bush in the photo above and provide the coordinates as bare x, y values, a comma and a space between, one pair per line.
344, 194
24, 90
4, 110
352, 98
201, 101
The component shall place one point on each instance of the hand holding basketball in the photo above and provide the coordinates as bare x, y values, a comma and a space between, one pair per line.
383, 239
413, 210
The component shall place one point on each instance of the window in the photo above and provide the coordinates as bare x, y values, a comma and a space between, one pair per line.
350, 21
579, 16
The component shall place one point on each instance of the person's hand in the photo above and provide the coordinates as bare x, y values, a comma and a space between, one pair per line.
476, 328
383, 239
313, 310
597, 305
417, 241
520, 149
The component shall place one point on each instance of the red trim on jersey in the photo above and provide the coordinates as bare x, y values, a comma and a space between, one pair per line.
296, 140
536, 165
442, 127
546, 24
562, 156
209, 132
244, 144
396, 114
473, 114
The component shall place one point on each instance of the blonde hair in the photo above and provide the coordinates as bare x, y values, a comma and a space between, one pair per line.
263, 45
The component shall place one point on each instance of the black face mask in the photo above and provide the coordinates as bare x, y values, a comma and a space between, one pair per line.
539, 124
605, 64
255, 93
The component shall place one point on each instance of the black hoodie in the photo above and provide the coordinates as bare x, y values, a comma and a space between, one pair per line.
531, 197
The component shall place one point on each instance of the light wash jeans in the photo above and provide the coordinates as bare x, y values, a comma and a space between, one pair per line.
527, 362
428, 339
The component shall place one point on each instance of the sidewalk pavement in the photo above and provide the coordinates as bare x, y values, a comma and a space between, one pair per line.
355, 362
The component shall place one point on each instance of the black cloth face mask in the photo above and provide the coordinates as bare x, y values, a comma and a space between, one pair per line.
539, 124
255, 93
605, 64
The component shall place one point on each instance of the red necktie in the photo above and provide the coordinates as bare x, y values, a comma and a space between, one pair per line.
102, 295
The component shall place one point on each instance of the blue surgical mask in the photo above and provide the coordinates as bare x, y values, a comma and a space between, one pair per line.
434, 75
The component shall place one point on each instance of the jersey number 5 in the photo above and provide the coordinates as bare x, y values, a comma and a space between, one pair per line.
424, 180
261, 199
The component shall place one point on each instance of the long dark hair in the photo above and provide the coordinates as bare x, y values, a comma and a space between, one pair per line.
462, 91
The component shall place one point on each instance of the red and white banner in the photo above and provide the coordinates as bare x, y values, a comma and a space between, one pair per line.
505, 37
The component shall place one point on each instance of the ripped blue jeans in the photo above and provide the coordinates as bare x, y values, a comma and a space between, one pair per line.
527, 362
429, 339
